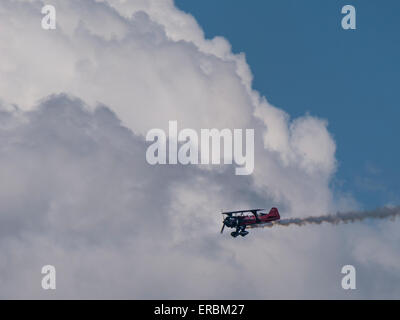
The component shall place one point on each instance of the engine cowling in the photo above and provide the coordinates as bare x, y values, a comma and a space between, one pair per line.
230, 222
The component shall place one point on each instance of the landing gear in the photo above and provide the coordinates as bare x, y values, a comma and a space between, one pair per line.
239, 231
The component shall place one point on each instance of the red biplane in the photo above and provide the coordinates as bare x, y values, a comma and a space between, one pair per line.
238, 220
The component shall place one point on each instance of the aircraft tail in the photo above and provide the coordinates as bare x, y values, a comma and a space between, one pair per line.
274, 213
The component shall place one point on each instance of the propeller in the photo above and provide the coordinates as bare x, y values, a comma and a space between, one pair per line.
223, 223
223, 226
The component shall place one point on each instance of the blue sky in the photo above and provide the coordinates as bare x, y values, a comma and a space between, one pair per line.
304, 62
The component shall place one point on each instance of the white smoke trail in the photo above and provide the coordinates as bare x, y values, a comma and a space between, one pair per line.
340, 217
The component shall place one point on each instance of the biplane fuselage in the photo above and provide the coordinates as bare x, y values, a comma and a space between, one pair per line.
237, 219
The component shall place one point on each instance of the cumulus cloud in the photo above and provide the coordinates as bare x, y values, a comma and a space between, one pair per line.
77, 192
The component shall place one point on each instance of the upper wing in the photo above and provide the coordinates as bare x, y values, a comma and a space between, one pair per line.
242, 211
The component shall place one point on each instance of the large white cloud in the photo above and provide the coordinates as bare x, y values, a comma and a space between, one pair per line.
150, 63
77, 192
